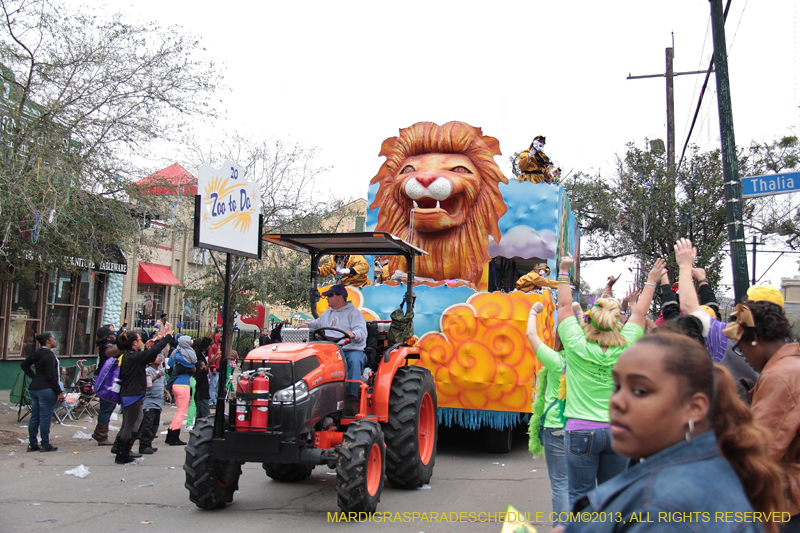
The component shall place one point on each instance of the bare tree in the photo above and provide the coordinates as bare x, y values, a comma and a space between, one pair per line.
287, 174
83, 95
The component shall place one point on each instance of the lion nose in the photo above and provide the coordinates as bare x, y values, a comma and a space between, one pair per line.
426, 180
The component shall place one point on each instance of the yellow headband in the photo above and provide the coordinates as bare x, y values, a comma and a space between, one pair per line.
744, 319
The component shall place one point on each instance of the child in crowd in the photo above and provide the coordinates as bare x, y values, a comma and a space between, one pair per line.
153, 403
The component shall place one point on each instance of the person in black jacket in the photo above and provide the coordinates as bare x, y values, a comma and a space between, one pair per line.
202, 395
134, 384
44, 390
106, 348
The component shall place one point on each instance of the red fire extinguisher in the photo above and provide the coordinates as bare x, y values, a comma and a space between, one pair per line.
242, 416
260, 407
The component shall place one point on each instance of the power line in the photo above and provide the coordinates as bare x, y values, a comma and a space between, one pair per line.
702, 93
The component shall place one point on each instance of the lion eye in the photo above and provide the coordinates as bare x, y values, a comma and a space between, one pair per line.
407, 169
461, 170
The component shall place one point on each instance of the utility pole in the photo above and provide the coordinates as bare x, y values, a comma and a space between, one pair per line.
670, 114
730, 165
669, 75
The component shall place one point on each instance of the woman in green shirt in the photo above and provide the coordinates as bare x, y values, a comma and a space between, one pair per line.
549, 427
591, 352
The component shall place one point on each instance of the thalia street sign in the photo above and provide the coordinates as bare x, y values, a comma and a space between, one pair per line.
753, 186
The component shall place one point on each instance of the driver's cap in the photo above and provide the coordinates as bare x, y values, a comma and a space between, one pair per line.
336, 289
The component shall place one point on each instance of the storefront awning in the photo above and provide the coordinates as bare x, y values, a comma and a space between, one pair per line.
114, 262
152, 274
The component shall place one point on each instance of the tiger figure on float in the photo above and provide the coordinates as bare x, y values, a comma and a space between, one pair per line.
439, 190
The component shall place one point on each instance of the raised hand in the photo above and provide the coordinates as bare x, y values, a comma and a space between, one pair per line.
685, 253
566, 263
658, 270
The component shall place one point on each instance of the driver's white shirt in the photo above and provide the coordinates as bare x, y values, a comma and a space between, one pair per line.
348, 318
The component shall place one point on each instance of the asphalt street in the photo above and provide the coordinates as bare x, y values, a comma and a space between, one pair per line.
37, 495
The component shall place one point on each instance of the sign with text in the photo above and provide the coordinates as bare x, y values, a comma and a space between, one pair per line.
753, 186
227, 211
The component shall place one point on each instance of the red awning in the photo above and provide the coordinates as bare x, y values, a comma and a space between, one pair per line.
152, 274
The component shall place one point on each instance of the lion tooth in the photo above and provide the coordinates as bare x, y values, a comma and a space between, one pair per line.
415, 204
437, 204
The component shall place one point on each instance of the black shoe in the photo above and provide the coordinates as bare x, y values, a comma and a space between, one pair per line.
174, 438
48, 448
33, 447
124, 455
148, 450
115, 446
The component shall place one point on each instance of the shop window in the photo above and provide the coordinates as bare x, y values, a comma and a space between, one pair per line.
149, 304
85, 328
23, 318
59, 289
57, 323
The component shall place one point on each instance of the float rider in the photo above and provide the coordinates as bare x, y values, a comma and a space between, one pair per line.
536, 279
349, 269
534, 164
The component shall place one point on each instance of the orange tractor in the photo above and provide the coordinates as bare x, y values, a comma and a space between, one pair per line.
288, 409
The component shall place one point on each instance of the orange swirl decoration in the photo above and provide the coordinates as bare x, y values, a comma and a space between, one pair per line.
482, 358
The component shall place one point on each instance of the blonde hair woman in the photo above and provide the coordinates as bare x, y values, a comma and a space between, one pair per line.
591, 351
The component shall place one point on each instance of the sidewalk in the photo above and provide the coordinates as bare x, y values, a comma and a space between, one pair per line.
71, 434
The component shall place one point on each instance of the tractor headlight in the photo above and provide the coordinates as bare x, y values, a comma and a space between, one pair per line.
291, 394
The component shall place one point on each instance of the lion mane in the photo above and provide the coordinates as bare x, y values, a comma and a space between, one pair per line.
457, 252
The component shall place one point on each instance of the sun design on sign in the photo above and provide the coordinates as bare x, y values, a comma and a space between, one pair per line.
242, 220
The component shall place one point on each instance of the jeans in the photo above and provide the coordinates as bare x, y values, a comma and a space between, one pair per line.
213, 383
553, 442
355, 362
104, 415
43, 403
590, 459
151, 420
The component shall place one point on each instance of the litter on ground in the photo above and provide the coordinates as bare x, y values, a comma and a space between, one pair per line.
79, 471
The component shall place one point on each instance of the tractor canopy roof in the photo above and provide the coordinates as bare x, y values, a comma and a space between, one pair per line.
368, 243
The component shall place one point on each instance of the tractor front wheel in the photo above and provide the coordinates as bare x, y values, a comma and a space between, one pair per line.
360, 466
413, 428
211, 482
288, 471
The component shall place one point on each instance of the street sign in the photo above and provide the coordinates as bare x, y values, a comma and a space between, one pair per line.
753, 186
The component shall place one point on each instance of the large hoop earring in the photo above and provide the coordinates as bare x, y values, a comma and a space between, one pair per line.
690, 430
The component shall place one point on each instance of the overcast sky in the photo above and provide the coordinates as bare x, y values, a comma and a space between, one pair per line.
343, 76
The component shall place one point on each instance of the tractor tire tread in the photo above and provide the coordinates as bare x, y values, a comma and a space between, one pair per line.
404, 467
200, 467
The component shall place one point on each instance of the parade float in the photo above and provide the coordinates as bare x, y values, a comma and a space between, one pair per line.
440, 189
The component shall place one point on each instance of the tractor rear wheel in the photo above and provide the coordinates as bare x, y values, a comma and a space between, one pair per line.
413, 428
211, 482
360, 466
288, 471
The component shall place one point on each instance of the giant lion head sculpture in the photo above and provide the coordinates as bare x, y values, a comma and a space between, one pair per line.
439, 190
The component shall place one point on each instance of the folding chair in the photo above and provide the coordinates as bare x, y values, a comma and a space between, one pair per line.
64, 409
19, 395
88, 402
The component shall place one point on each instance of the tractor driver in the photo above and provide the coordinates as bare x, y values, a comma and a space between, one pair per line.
342, 315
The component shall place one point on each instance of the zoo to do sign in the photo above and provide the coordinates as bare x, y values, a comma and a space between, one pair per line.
227, 210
